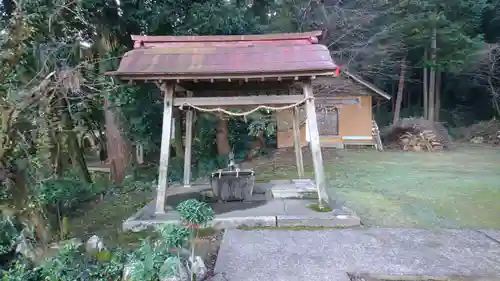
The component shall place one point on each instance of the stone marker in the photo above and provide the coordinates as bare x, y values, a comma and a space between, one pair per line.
94, 244
198, 267
176, 269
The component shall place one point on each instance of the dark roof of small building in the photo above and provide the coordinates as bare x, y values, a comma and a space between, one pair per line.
208, 57
337, 86
348, 84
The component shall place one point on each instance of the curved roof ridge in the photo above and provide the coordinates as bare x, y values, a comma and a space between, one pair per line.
212, 38
311, 37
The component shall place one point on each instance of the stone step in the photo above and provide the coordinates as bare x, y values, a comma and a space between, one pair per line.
295, 188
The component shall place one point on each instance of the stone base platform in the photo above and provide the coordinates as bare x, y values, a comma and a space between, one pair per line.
274, 204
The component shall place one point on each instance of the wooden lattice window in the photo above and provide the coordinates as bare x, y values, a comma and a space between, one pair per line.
328, 121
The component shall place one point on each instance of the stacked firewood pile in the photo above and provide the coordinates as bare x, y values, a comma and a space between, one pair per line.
416, 134
483, 132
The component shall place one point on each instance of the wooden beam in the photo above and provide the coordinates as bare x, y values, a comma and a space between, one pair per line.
99, 169
220, 77
297, 142
188, 146
242, 92
241, 100
315, 146
168, 92
328, 101
235, 86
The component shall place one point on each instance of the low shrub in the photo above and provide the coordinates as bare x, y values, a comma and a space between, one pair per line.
152, 260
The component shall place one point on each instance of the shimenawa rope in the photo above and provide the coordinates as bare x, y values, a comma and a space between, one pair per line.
245, 113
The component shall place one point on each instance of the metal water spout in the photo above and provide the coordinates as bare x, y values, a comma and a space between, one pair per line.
232, 183
232, 165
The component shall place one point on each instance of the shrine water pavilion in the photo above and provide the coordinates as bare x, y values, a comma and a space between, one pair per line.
217, 73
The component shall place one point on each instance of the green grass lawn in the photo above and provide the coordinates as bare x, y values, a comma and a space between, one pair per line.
454, 189
460, 188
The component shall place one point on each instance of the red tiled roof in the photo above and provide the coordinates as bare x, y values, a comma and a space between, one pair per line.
175, 57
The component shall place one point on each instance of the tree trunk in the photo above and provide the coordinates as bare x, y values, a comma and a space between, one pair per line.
56, 154
54, 147
103, 150
399, 96
30, 214
426, 86
432, 78
74, 150
438, 95
76, 155
119, 150
222, 137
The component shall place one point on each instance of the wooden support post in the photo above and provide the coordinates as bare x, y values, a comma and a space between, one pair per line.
188, 145
168, 92
314, 143
297, 142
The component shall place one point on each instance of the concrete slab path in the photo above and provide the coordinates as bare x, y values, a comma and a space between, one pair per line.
280, 255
